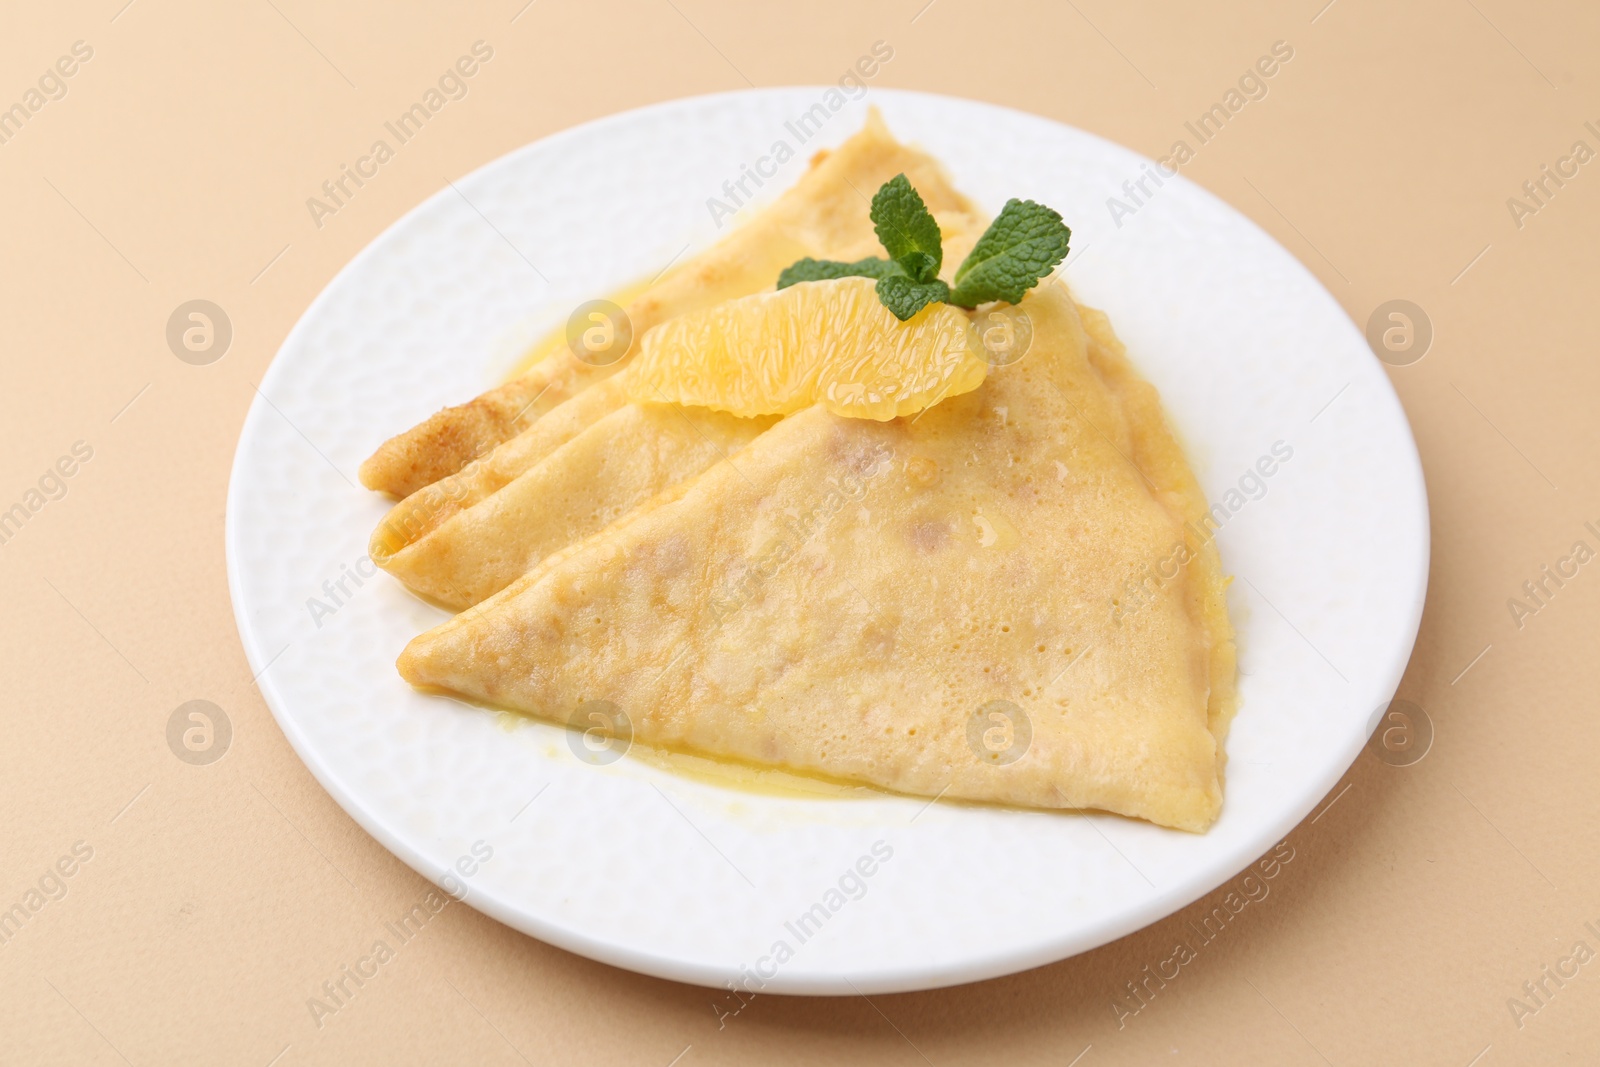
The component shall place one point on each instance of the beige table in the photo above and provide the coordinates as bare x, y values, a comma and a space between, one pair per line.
206, 903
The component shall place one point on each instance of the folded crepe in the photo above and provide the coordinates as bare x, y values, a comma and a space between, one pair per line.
595, 457
973, 603
619, 463
822, 215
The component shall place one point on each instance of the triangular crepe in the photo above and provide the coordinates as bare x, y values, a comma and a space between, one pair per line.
823, 215
851, 598
594, 457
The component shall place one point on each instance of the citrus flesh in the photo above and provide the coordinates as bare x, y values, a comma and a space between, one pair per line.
831, 342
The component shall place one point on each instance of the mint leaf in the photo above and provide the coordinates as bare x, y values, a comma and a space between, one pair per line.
1022, 245
907, 229
904, 296
815, 270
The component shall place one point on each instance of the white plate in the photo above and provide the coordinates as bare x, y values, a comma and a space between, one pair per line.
674, 877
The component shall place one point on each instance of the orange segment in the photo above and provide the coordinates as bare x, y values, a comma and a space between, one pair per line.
828, 341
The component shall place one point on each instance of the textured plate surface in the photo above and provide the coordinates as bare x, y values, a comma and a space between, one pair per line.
684, 879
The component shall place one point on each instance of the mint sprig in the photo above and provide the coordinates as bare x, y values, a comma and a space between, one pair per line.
1021, 246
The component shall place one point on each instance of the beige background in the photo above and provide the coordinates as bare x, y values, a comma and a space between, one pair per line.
219, 897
